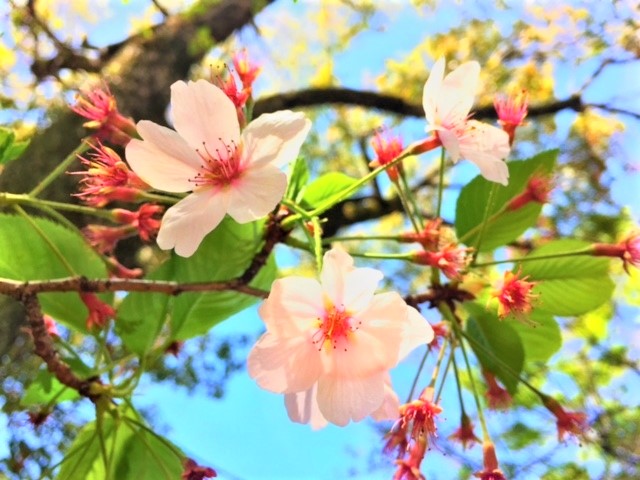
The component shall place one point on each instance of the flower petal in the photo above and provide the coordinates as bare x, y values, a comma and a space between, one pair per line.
458, 93
275, 138
302, 407
162, 159
374, 345
486, 146
186, 223
256, 193
416, 331
431, 91
450, 142
336, 265
293, 306
202, 112
284, 365
341, 400
389, 410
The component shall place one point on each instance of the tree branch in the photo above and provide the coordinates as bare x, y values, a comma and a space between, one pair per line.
316, 97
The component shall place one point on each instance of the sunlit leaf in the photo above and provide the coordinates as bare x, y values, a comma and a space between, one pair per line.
46, 389
569, 285
326, 187
540, 339
503, 226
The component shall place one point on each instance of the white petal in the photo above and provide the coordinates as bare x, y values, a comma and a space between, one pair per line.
341, 400
162, 159
302, 407
390, 408
458, 93
294, 306
256, 193
275, 138
186, 223
416, 331
336, 265
431, 91
202, 112
486, 146
284, 364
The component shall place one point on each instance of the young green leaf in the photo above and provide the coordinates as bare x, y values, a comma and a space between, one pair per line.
326, 187
10, 149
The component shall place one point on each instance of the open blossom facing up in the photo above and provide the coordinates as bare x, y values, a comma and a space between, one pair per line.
334, 341
447, 101
225, 171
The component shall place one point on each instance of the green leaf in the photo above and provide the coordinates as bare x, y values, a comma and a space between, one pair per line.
326, 187
520, 436
46, 389
504, 226
134, 451
224, 254
10, 149
145, 456
540, 340
297, 180
496, 344
26, 255
570, 285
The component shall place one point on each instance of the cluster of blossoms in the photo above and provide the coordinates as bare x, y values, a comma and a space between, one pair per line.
330, 343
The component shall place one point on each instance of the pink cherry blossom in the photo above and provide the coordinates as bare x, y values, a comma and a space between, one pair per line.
447, 101
333, 342
225, 171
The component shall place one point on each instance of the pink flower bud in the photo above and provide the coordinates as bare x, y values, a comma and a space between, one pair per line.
99, 312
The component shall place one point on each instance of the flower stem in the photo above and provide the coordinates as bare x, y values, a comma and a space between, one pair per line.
575, 253
59, 170
317, 242
440, 184
417, 376
412, 200
27, 200
361, 238
382, 256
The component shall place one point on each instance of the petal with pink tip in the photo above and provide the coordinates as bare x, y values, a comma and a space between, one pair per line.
185, 224
486, 146
416, 331
284, 365
162, 159
256, 193
202, 112
302, 407
293, 307
275, 138
341, 400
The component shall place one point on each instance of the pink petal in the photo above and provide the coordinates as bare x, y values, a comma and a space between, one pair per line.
374, 345
302, 407
202, 112
359, 288
293, 307
186, 223
486, 146
162, 159
431, 91
275, 138
450, 143
256, 193
284, 365
416, 331
341, 400
390, 408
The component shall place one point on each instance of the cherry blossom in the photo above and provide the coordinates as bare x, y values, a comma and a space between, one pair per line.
511, 110
387, 148
514, 296
447, 101
226, 172
334, 341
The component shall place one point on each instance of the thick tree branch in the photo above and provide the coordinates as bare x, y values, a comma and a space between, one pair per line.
315, 97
